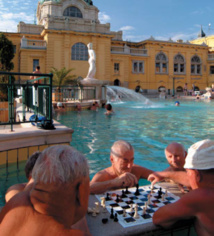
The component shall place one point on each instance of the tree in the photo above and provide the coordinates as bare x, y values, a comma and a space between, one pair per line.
6, 53
6, 64
62, 77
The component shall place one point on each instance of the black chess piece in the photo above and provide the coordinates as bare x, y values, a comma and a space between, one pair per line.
117, 199
127, 191
112, 213
160, 193
107, 197
137, 190
115, 218
123, 194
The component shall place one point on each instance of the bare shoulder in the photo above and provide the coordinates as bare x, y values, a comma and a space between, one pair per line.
13, 190
103, 175
141, 172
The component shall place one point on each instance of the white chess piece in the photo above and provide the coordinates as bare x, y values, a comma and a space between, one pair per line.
146, 205
103, 201
166, 193
144, 210
149, 199
136, 215
97, 207
94, 212
124, 213
163, 197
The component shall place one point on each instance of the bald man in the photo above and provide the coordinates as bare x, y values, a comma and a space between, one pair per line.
122, 172
175, 155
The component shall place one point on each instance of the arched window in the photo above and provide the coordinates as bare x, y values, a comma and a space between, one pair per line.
161, 88
117, 82
179, 64
161, 63
179, 89
79, 52
195, 65
72, 12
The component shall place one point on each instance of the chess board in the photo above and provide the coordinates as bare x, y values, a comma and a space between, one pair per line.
118, 203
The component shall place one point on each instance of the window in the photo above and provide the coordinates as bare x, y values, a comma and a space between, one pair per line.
35, 64
138, 67
14, 49
161, 63
212, 70
72, 12
179, 64
195, 65
116, 68
79, 52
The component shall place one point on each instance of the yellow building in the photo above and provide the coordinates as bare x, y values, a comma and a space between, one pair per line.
64, 29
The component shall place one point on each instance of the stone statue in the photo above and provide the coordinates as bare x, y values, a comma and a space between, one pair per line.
92, 62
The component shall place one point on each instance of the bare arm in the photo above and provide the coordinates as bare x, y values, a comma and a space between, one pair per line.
102, 182
183, 209
177, 176
141, 172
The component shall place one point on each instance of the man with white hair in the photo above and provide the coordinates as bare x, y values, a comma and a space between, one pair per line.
55, 198
198, 203
122, 173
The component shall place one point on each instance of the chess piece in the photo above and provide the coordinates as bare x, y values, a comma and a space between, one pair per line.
144, 210
107, 197
94, 212
146, 205
136, 215
163, 197
166, 193
115, 218
123, 194
103, 200
149, 199
131, 208
117, 199
127, 191
124, 213
90, 210
97, 207
112, 213
160, 193
137, 190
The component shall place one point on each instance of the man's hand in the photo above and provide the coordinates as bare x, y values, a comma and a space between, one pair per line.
155, 177
125, 180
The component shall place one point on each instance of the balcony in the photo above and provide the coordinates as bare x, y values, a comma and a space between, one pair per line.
129, 51
33, 44
210, 57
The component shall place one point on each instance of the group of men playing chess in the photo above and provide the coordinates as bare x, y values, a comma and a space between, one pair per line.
55, 200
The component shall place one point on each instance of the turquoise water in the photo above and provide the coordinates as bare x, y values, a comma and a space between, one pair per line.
149, 128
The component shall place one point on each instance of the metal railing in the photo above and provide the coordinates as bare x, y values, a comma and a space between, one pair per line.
35, 96
73, 93
128, 50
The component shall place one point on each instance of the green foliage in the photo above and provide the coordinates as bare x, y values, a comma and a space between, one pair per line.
6, 53
6, 64
63, 77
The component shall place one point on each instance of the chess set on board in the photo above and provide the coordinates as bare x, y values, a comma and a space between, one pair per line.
131, 206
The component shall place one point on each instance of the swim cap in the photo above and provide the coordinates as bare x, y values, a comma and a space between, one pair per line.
200, 156
177, 102
59, 104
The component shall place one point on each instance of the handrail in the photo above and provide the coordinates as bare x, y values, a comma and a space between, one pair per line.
37, 97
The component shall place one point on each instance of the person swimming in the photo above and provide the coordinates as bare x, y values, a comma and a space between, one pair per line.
177, 103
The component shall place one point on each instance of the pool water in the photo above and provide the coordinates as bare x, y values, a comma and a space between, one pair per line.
149, 128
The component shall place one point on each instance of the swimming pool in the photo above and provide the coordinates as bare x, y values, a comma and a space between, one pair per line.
149, 128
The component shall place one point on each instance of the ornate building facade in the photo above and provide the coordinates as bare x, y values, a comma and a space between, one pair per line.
64, 29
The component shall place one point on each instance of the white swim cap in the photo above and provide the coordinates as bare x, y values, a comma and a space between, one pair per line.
59, 104
200, 155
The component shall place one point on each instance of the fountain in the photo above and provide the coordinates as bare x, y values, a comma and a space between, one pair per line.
120, 94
